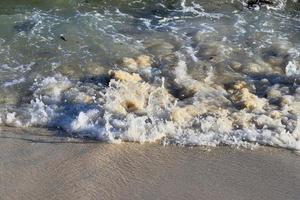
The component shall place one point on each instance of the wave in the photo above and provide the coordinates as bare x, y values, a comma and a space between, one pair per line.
188, 73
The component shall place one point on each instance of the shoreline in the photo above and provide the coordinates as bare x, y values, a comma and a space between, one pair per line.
38, 165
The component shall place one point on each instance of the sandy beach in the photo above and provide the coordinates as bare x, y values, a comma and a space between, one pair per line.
35, 164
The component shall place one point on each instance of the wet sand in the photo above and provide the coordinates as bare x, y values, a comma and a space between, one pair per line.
36, 164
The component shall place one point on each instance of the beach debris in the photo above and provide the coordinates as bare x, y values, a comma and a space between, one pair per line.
62, 37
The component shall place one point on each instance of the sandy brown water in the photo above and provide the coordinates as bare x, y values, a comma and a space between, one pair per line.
38, 165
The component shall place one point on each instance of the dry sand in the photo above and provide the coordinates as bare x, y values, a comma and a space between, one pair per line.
35, 164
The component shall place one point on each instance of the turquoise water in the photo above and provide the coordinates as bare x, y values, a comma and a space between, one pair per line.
215, 71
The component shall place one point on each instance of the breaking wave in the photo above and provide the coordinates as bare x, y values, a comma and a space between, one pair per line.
188, 73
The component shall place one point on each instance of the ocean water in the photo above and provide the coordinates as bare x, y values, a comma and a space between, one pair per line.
183, 72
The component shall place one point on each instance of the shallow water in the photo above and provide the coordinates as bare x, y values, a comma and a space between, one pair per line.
210, 73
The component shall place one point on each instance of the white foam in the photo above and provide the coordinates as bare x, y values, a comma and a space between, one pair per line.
292, 69
153, 122
14, 82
